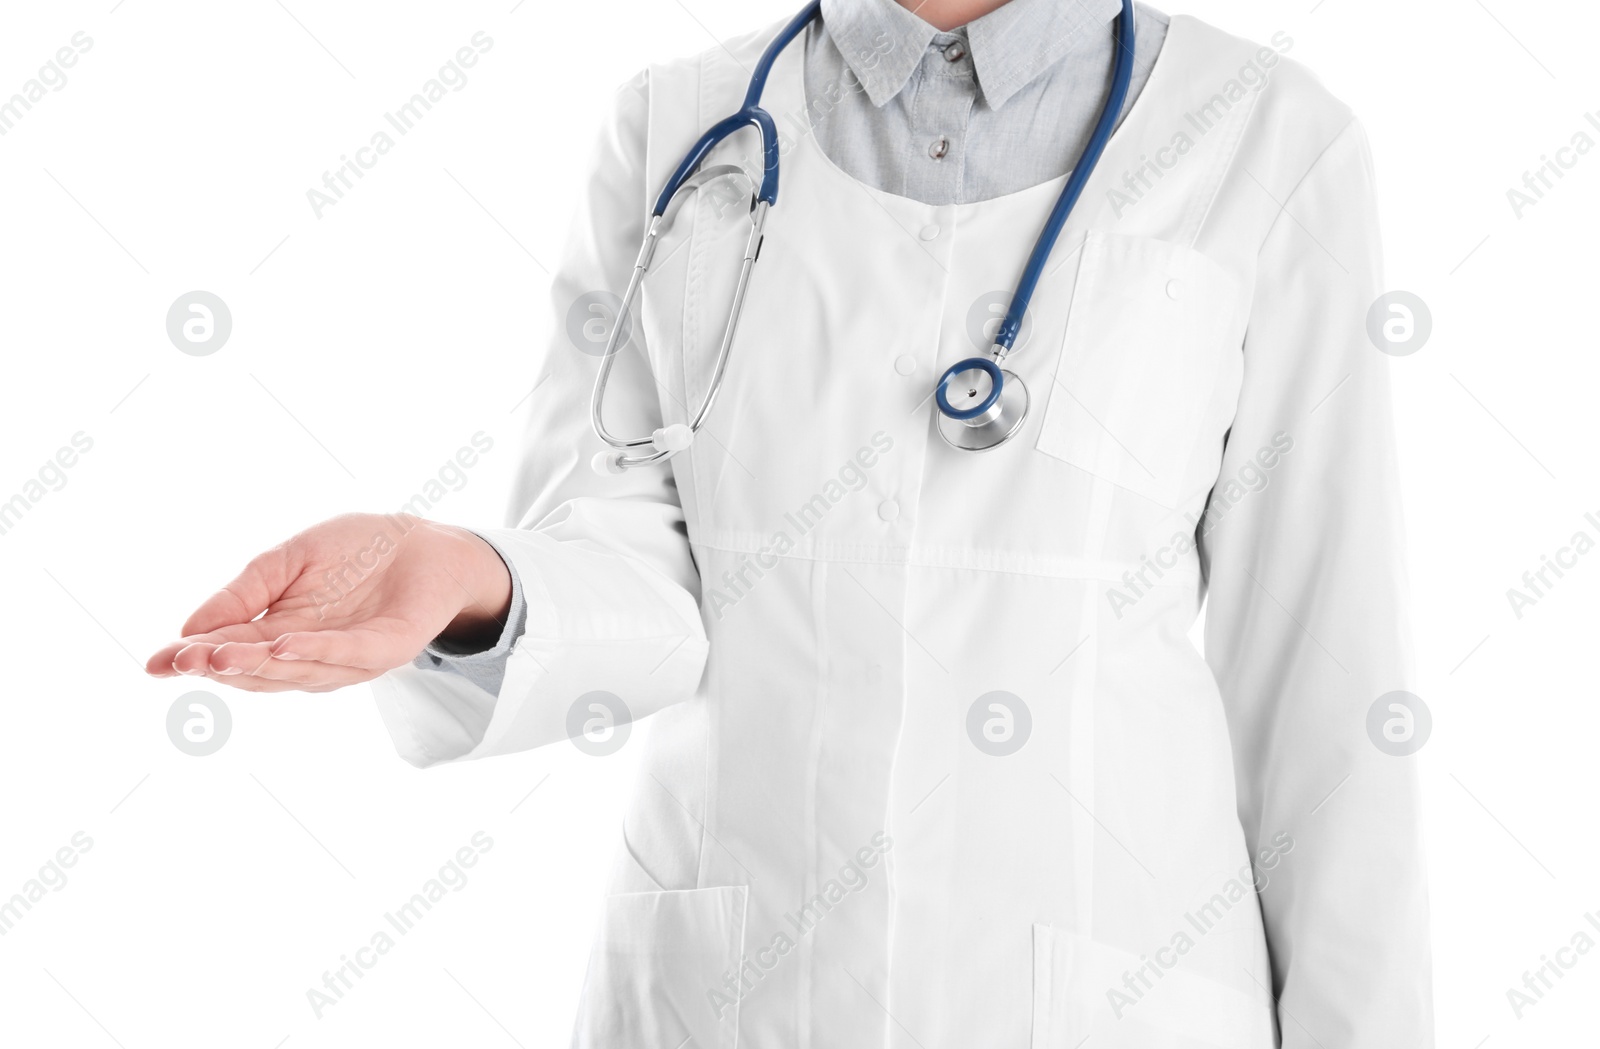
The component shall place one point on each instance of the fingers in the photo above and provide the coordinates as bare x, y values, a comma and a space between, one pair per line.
162, 664
256, 649
247, 596
251, 667
373, 648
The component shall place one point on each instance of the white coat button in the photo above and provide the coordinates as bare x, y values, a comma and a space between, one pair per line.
905, 364
1174, 289
888, 509
930, 232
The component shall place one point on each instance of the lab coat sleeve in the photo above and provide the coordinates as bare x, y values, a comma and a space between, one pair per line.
1306, 627
484, 667
613, 626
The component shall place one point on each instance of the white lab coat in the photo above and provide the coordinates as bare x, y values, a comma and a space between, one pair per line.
842, 626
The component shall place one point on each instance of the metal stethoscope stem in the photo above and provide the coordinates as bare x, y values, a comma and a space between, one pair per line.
668, 441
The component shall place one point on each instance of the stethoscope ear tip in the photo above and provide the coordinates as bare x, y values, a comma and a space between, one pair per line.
674, 438
607, 464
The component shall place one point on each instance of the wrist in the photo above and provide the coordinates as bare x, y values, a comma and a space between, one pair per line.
481, 582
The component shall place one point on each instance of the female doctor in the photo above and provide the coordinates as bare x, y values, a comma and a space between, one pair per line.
934, 763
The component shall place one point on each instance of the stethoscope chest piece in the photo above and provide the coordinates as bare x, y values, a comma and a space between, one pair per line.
981, 406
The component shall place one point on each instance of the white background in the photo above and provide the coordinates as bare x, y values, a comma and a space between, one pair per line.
373, 342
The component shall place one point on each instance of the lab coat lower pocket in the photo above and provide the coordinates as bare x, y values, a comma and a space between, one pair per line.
1145, 349
1086, 990
658, 970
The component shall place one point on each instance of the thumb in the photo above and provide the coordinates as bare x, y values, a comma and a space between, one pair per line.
250, 593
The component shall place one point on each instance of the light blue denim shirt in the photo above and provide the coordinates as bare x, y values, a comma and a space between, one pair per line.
1003, 103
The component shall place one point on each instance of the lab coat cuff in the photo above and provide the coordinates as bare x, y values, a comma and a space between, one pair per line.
441, 653
637, 652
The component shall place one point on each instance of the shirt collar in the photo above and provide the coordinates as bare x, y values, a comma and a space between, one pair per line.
883, 42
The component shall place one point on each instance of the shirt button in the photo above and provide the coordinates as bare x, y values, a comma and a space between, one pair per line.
929, 232
939, 147
1174, 289
955, 52
888, 509
905, 364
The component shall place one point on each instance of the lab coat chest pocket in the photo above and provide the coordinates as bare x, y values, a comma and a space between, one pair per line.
658, 972
1146, 349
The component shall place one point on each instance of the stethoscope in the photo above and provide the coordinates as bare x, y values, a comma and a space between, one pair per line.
981, 405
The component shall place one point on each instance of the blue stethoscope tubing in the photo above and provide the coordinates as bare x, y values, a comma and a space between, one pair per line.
750, 114
1121, 78
1011, 325
667, 441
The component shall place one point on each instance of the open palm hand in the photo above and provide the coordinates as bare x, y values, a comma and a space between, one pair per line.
341, 603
